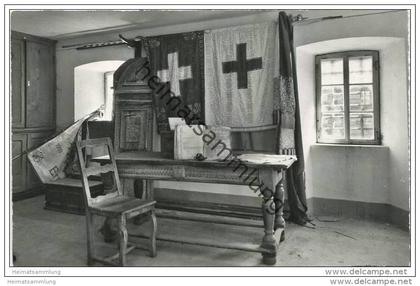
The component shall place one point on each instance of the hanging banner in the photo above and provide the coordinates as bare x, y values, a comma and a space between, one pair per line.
241, 71
178, 60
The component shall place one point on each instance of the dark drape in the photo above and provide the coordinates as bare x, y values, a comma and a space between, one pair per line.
295, 208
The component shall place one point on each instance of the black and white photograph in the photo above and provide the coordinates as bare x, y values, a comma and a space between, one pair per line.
209, 140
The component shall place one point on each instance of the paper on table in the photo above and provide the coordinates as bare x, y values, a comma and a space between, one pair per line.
175, 121
260, 158
218, 147
187, 144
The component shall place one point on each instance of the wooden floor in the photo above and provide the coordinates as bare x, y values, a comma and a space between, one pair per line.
48, 238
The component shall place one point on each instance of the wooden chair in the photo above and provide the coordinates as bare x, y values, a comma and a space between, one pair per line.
113, 205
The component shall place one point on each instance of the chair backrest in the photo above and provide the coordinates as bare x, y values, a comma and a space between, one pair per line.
95, 170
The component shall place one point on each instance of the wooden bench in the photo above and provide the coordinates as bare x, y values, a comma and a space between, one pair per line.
66, 195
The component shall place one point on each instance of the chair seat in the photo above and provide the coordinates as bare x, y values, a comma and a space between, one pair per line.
122, 205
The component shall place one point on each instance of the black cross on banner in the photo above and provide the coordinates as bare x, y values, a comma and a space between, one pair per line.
242, 65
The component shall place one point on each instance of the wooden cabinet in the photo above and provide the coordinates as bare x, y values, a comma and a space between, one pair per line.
133, 112
133, 116
40, 83
32, 94
134, 128
19, 163
18, 82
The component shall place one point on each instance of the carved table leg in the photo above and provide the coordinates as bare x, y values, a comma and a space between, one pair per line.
279, 204
153, 234
123, 235
150, 190
129, 187
139, 189
268, 177
269, 241
144, 191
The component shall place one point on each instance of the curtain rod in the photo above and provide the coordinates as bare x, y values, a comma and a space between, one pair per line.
300, 20
296, 20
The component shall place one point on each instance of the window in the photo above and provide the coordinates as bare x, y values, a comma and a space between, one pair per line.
348, 97
93, 88
109, 95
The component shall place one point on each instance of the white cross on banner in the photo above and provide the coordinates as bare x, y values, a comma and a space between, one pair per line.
177, 61
174, 73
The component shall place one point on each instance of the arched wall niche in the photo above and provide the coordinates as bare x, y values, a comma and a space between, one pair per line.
93, 88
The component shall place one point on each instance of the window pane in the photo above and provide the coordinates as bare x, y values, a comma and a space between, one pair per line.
332, 98
332, 125
332, 71
360, 69
332, 112
109, 96
361, 98
361, 126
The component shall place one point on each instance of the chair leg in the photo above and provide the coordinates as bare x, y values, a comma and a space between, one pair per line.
123, 239
90, 238
153, 235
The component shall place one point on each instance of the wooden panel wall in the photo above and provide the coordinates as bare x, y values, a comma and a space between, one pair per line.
18, 82
40, 90
32, 99
19, 163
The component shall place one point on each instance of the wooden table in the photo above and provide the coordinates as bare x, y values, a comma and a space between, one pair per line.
265, 179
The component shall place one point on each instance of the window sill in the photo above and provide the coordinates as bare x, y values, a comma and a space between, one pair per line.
348, 145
